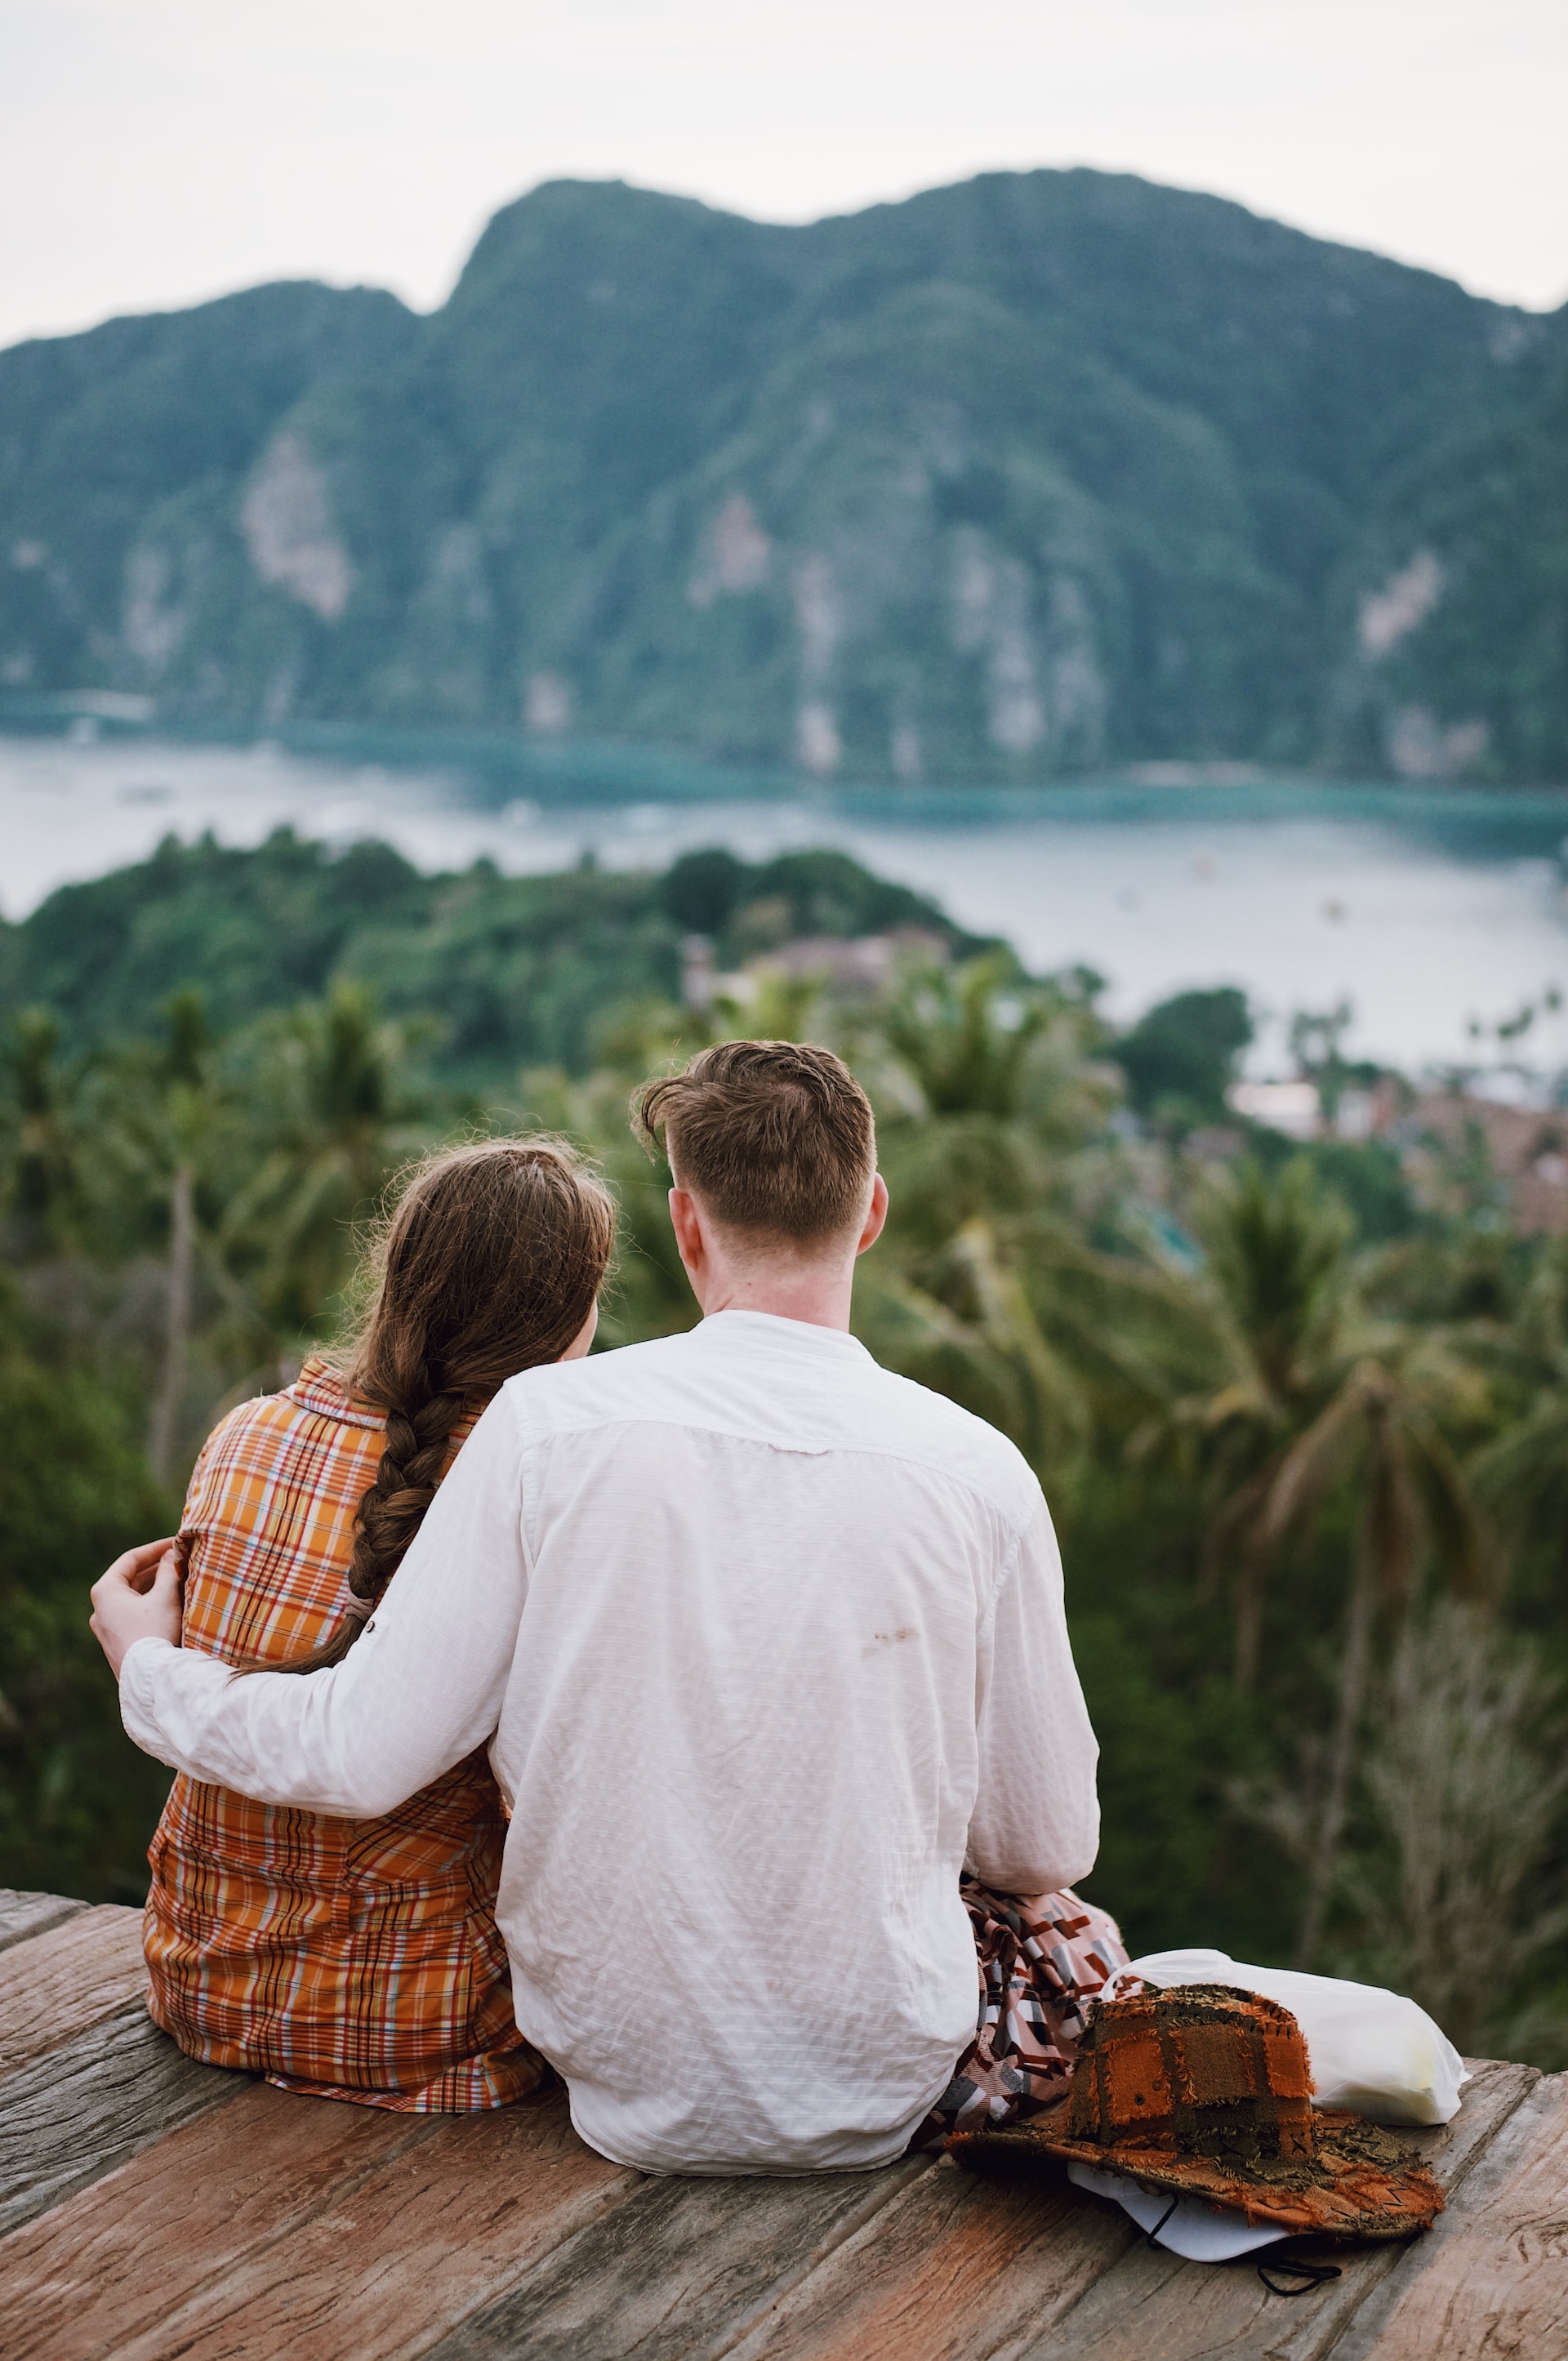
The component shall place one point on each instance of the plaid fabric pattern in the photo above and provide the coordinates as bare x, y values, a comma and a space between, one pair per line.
1042, 1959
353, 1960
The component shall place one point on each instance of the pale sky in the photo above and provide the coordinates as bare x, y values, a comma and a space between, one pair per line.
153, 152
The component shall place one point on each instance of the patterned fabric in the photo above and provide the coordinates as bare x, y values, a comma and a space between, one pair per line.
1042, 1959
1206, 2091
1183, 2068
352, 1959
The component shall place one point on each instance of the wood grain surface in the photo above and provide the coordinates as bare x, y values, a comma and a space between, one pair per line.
59, 1982
79, 2111
432, 2232
958, 2266
681, 2271
1492, 2279
23, 1915
97, 2272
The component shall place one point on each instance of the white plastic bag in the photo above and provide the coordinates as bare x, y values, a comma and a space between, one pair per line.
1371, 2052
1191, 2227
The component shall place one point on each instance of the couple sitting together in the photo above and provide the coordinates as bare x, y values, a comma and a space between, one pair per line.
697, 1721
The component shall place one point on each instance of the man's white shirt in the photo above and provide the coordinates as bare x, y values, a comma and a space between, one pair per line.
766, 1643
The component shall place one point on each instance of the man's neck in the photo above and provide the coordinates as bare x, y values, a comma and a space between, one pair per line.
734, 1270
809, 1292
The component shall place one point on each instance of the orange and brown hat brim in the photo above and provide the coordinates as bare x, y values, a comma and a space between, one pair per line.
1359, 2184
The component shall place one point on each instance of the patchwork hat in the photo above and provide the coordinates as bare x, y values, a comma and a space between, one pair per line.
1203, 2091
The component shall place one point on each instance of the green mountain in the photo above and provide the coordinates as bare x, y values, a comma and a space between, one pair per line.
1039, 473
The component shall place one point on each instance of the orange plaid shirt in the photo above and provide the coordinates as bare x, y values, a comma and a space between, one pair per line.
353, 1959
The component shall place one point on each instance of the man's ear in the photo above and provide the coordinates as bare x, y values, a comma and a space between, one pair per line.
685, 1219
876, 1216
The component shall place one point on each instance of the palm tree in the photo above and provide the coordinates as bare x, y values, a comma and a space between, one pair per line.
45, 1148
988, 1287
170, 1148
1276, 1255
1465, 1777
1377, 1434
186, 1113
779, 1009
334, 1132
1322, 1404
965, 1035
1015, 1315
1523, 1472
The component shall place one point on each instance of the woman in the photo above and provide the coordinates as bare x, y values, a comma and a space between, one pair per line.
359, 1958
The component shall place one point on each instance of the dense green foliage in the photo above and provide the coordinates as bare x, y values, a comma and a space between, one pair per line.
489, 972
76, 1803
1031, 474
1180, 1058
1303, 1422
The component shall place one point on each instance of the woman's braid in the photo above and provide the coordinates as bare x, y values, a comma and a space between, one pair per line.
419, 1443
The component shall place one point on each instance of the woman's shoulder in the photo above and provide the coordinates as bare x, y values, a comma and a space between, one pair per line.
314, 1420
268, 1519
323, 1389
318, 1393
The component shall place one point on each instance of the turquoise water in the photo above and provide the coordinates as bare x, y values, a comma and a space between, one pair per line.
1430, 910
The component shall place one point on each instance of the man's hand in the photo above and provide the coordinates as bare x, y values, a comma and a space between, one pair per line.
139, 1598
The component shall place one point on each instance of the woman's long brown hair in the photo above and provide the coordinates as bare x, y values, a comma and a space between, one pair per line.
488, 1263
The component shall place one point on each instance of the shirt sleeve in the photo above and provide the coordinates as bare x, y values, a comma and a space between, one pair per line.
1035, 1826
420, 1689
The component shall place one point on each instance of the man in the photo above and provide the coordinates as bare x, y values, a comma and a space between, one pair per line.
768, 1646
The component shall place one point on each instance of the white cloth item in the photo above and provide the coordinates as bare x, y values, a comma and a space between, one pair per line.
765, 1643
1202, 2232
1371, 2052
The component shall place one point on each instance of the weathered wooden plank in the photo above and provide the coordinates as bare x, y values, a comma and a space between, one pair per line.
680, 2272
110, 2263
415, 2244
958, 2267
22, 1915
1151, 2306
1493, 2276
58, 1983
79, 2111
1491, 2101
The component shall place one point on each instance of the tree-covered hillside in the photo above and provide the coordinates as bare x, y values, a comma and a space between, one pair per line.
1035, 474
1472, 539
491, 972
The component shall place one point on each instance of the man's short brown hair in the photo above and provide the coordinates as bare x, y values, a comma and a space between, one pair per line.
773, 1135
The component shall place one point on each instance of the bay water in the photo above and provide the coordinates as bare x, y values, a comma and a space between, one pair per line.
1437, 914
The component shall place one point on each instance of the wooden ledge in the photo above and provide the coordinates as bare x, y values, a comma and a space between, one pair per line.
151, 2208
